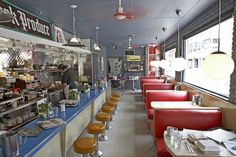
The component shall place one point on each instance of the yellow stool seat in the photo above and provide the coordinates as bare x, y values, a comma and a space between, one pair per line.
96, 128
112, 103
115, 99
108, 109
84, 145
103, 117
117, 94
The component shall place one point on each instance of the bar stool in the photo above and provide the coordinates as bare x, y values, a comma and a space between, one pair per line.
113, 98
113, 104
96, 129
104, 118
116, 94
109, 110
84, 145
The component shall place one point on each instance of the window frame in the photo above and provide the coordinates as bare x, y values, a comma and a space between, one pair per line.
211, 24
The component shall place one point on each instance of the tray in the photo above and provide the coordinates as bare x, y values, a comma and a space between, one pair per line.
69, 102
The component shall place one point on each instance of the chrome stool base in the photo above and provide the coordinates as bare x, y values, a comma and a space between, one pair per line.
97, 154
108, 127
103, 138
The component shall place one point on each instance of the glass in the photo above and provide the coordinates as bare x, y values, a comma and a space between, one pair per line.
175, 139
55, 111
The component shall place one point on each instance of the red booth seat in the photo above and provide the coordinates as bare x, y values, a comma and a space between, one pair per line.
150, 81
164, 96
180, 118
156, 86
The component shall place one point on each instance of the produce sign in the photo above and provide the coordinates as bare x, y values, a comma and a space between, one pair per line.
26, 22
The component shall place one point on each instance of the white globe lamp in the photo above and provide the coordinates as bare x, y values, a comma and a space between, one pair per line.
164, 64
218, 65
155, 63
179, 64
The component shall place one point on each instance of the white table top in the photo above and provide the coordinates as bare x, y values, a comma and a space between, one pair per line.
182, 151
177, 105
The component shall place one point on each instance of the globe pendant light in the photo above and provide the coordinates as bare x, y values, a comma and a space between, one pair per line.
178, 63
155, 63
96, 45
218, 65
74, 41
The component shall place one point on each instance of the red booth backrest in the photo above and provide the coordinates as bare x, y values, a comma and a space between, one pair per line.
151, 81
146, 77
156, 86
166, 96
189, 119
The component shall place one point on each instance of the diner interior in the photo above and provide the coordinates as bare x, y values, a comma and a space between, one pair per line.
117, 78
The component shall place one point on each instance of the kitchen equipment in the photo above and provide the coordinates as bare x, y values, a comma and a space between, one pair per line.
11, 142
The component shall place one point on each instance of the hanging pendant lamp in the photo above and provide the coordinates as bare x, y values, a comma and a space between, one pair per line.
129, 42
5, 16
164, 63
74, 41
178, 63
155, 63
120, 15
96, 45
218, 65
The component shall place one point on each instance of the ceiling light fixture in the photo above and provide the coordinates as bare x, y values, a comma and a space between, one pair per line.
218, 65
120, 15
74, 41
113, 46
129, 46
96, 45
164, 63
129, 39
178, 63
5, 16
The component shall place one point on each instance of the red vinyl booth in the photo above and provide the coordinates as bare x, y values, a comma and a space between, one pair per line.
156, 86
146, 77
164, 96
196, 119
150, 81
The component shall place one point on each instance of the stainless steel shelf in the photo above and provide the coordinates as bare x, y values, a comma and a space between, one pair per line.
29, 103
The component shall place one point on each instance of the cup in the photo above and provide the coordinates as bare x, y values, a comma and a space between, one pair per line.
177, 139
169, 130
63, 107
173, 135
55, 111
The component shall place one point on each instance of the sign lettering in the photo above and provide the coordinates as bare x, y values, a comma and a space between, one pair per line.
26, 22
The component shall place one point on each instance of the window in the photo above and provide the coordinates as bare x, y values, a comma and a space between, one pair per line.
169, 56
198, 47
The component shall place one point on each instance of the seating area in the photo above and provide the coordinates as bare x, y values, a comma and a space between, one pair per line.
164, 107
180, 118
174, 108
164, 96
90, 146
